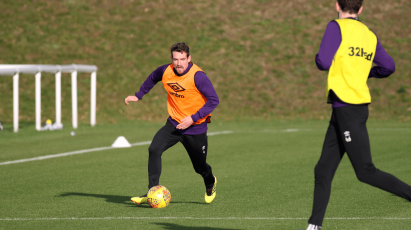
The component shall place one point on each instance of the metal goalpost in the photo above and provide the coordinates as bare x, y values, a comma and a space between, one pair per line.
15, 70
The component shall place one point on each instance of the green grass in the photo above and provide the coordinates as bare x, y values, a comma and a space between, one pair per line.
264, 170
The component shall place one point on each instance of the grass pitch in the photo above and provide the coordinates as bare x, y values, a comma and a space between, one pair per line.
264, 170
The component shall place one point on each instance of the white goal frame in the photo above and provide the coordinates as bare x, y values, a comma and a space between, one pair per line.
16, 70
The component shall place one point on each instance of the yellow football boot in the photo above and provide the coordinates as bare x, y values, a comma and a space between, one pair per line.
210, 194
140, 199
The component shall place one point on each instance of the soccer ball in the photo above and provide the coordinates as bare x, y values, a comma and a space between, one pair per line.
158, 197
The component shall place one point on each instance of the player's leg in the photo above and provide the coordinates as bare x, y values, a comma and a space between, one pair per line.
166, 137
357, 145
331, 155
197, 147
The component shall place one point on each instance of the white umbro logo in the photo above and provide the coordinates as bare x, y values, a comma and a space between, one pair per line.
204, 149
347, 136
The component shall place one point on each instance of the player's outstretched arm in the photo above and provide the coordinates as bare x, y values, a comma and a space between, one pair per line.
130, 99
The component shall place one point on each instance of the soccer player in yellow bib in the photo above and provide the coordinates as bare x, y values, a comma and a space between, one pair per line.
348, 50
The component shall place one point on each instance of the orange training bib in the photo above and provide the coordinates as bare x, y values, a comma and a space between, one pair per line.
183, 97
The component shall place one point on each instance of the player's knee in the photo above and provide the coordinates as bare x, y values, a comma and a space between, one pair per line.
320, 171
363, 177
366, 174
321, 175
154, 150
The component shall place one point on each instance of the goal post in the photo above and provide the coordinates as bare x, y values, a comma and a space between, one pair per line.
16, 70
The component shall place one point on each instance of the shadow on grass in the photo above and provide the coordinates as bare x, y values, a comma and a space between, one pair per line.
109, 198
171, 226
118, 199
187, 202
404, 200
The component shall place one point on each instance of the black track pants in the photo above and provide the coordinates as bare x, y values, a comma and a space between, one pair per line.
196, 146
347, 133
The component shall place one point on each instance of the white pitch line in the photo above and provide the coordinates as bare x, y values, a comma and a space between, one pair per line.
203, 218
291, 130
55, 155
141, 143
219, 133
87, 151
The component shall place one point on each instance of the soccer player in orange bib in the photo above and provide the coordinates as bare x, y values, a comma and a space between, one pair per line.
191, 99
348, 50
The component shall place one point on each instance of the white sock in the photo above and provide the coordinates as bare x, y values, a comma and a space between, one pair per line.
313, 227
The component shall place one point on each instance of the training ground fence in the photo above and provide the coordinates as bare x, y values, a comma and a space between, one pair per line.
16, 70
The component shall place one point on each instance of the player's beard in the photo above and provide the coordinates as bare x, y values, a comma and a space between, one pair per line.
180, 68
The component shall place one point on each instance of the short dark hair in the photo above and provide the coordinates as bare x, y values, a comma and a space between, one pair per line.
180, 47
350, 6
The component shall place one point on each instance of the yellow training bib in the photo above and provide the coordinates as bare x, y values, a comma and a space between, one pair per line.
352, 63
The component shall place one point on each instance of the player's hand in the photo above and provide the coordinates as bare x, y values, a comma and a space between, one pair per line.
185, 123
130, 98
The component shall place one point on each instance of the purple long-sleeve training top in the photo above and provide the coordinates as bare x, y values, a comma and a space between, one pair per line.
330, 43
203, 85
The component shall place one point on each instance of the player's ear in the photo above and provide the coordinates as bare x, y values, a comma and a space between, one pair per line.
189, 58
337, 7
359, 11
